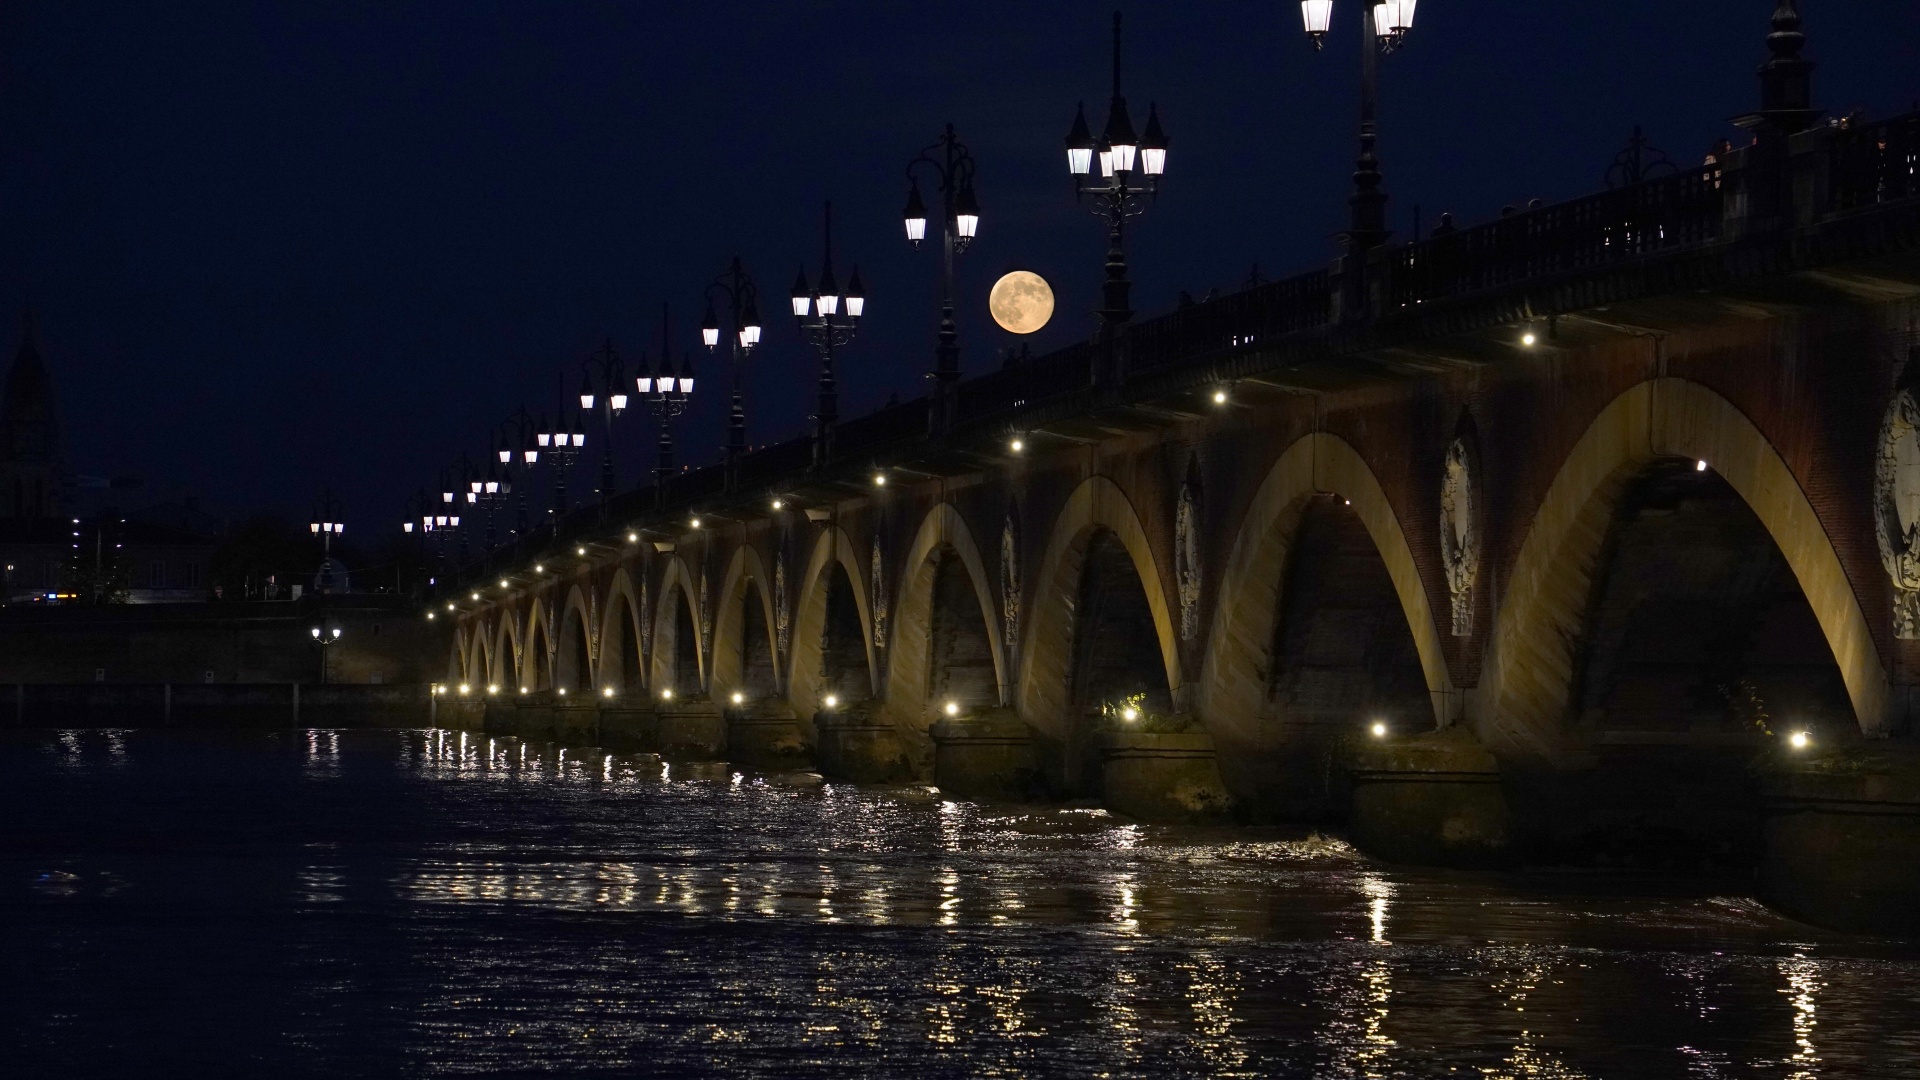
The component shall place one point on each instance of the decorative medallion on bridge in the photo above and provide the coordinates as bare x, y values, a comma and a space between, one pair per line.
877, 591
1186, 553
780, 620
1896, 510
1010, 586
1460, 533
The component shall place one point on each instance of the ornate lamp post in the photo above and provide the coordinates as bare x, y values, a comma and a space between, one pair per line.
741, 299
817, 311
1384, 25
666, 393
1130, 170
418, 523
326, 524
563, 444
486, 490
517, 446
952, 166
453, 497
612, 400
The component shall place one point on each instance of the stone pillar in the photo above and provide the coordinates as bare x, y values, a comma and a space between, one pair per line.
576, 721
691, 729
533, 717
629, 728
856, 743
1842, 840
765, 734
1431, 799
1163, 777
461, 714
500, 717
988, 756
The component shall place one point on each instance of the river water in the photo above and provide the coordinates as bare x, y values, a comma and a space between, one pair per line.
422, 903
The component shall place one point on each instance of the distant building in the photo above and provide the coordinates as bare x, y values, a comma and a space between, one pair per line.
156, 555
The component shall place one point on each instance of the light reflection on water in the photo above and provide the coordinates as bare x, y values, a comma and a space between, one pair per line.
444, 902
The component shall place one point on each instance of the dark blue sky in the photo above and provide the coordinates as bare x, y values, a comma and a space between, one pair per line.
280, 245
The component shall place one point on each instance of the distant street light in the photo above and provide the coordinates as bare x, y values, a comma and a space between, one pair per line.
1130, 170
603, 383
326, 524
741, 300
817, 312
667, 394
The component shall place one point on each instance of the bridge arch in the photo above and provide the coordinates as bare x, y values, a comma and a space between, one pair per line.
942, 545
1098, 520
1530, 669
738, 636
478, 668
573, 666
812, 621
621, 668
536, 654
460, 655
676, 632
507, 652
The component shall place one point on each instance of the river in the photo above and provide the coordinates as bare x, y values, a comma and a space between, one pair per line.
429, 903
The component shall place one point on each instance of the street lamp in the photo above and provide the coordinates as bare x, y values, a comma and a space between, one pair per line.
1383, 28
518, 446
453, 497
611, 399
817, 312
563, 444
326, 524
666, 393
741, 299
324, 636
952, 166
1130, 168
487, 490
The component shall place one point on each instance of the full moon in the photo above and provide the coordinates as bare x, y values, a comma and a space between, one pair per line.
1021, 302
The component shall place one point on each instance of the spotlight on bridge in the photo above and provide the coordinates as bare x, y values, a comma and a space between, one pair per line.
526, 689
1129, 714
739, 698
1219, 397
504, 584
831, 701
1017, 445
1800, 740
579, 551
879, 479
608, 692
539, 568
429, 616
953, 708
1379, 730
666, 694
695, 523
1700, 466
493, 690
464, 688
562, 691
1529, 339
779, 504
449, 607
633, 538
476, 596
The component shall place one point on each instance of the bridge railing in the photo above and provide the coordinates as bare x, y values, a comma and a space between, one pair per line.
1024, 384
1663, 214
1233, 321
1874, 163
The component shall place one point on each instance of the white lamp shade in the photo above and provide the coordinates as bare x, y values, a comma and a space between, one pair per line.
710, 335
645, 383
579, 439
1153, 160
506, 457
916, 229
828, 304
531, 455
856, 306
1123, 156
1317, 14
966, 225
801, 305
1106, 163
454, 521
686, 385
619, 402
1079, 159
586, 401
750, 335
314, 526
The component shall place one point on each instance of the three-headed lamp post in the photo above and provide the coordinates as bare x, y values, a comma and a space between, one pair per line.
1130, 167
827, 317
739, 297
952, 168
667, 393
1384, 25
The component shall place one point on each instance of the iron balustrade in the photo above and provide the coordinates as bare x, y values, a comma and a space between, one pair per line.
1651, 217
1871, 164
1235, 321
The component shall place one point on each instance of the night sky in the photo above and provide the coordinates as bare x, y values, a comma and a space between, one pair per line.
274, 246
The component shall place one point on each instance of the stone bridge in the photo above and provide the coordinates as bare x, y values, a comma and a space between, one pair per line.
1591, 535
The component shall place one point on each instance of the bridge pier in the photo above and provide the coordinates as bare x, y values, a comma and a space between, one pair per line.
990, 755
857, 743
1432, 800
691, 728
765, 734
629, 728
1842, 840
1163, 777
